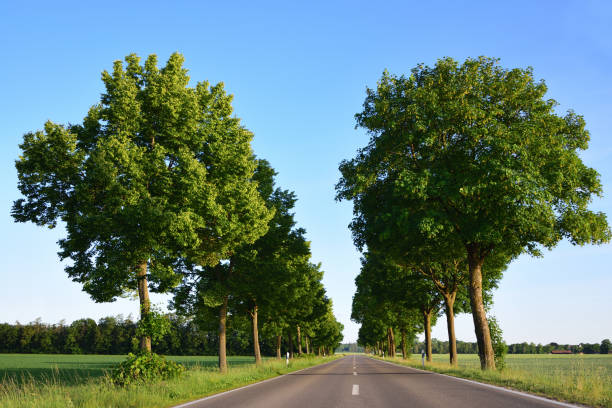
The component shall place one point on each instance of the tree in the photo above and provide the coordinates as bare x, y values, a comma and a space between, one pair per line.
263, 268
475, 151
394, 297
156, 171
604, 347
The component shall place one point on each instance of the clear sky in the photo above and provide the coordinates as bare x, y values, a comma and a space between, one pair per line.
298, 71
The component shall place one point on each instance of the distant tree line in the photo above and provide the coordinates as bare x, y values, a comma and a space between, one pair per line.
350, 348
118, 335
586, 348
441, 347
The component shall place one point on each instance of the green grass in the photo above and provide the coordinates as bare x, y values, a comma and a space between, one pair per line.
75, 369
201, 379
585, 379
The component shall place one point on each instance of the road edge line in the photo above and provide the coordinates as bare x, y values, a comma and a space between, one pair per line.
186, 404
497, 387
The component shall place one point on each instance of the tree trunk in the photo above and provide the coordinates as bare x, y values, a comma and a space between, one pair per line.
404, 344
290, 345
222, 338
449, 302
393, 346
278, 346
145, 303
481, 326
256, 337
427, 327
299, 340
307, 345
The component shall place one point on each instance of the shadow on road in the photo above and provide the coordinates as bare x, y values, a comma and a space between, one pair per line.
362, 374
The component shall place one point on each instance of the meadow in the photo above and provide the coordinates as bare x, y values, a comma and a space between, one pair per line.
585, 379
75, 368
53, 381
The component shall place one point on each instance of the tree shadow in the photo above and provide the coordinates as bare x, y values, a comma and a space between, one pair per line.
366, 373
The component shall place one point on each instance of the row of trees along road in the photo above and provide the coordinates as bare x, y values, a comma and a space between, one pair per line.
158, 189
468, 166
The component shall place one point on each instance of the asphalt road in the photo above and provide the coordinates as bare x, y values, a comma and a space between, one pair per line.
359, 381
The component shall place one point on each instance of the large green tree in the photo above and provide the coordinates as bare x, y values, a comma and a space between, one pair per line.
477, 151
156, 171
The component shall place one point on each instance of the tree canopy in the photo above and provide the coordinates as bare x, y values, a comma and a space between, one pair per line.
156, 171
475, 154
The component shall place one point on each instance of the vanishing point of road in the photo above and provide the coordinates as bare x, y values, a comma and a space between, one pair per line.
359, 381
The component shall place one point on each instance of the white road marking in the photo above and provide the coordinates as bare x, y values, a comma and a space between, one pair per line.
354, 373
355, 389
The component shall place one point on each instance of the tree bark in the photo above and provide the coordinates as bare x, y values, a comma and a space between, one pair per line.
481, 326
278, 346
404, 344
299, 340
393, 345
307, 344
256, 337
427, 326
145, 303
222, 338
449, 302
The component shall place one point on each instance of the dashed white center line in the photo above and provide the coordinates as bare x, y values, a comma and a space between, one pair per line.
355, 389
354, 373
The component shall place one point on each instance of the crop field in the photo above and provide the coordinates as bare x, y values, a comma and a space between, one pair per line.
584, 379
75, 368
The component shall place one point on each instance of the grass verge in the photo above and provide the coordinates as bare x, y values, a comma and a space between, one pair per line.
196, 383
578, 383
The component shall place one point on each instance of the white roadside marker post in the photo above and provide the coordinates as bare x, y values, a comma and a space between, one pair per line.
287, 359
423, 358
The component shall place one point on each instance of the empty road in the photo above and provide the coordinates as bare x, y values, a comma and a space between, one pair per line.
359, 381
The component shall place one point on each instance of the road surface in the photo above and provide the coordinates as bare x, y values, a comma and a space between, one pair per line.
359, 381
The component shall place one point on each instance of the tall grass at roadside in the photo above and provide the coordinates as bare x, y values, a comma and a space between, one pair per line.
581, 379
96, 393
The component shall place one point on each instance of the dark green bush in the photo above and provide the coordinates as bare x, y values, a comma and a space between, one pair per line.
144, 368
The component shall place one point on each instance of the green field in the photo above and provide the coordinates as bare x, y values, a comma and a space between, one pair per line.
544, 363
58, 381
74, 369
585, 379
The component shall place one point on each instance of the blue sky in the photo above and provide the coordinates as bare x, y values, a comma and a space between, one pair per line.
299, 73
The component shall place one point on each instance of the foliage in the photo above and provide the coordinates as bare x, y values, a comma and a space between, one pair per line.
145, 368
500, 348
470, 156
154, 324
605, 346
156, 172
